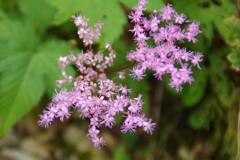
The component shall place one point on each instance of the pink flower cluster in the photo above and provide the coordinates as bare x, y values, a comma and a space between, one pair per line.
94, 95
86, 33
165, 29
97, 97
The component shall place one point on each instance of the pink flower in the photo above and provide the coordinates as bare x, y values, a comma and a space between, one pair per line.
86, 33
108, 120
138, 72
94, 95
77, 20
180, 18
167, 12
137, 30
196, 59
100, 99
166, 29
148, 126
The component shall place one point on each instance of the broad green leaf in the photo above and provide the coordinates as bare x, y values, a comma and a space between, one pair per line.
202, 116
21, 89
199, 119
209, 14
151, 5
16, 37
26, 65
47, 55
192, 94
108, 12
38, 12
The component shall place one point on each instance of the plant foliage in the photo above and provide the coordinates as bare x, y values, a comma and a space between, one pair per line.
33, 35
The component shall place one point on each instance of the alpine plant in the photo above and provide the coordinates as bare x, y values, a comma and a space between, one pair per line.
98, 98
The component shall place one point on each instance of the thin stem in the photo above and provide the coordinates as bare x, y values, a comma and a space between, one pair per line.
90, 47
121, 68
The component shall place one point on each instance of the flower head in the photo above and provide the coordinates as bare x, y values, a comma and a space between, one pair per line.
165, 29
94, 95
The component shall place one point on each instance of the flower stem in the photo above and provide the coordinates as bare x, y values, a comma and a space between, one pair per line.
121, 68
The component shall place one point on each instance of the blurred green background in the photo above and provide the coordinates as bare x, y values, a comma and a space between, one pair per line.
199, 123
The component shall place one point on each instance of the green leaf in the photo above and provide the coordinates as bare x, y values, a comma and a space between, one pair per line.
234, 57
201, 46
120, 153
26, 65
232, 36
231, 27
16, 37
192, 94
209, 14
202, 116
39, 12
108, 11
199, 120
151, 5
47, 56
218, 76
